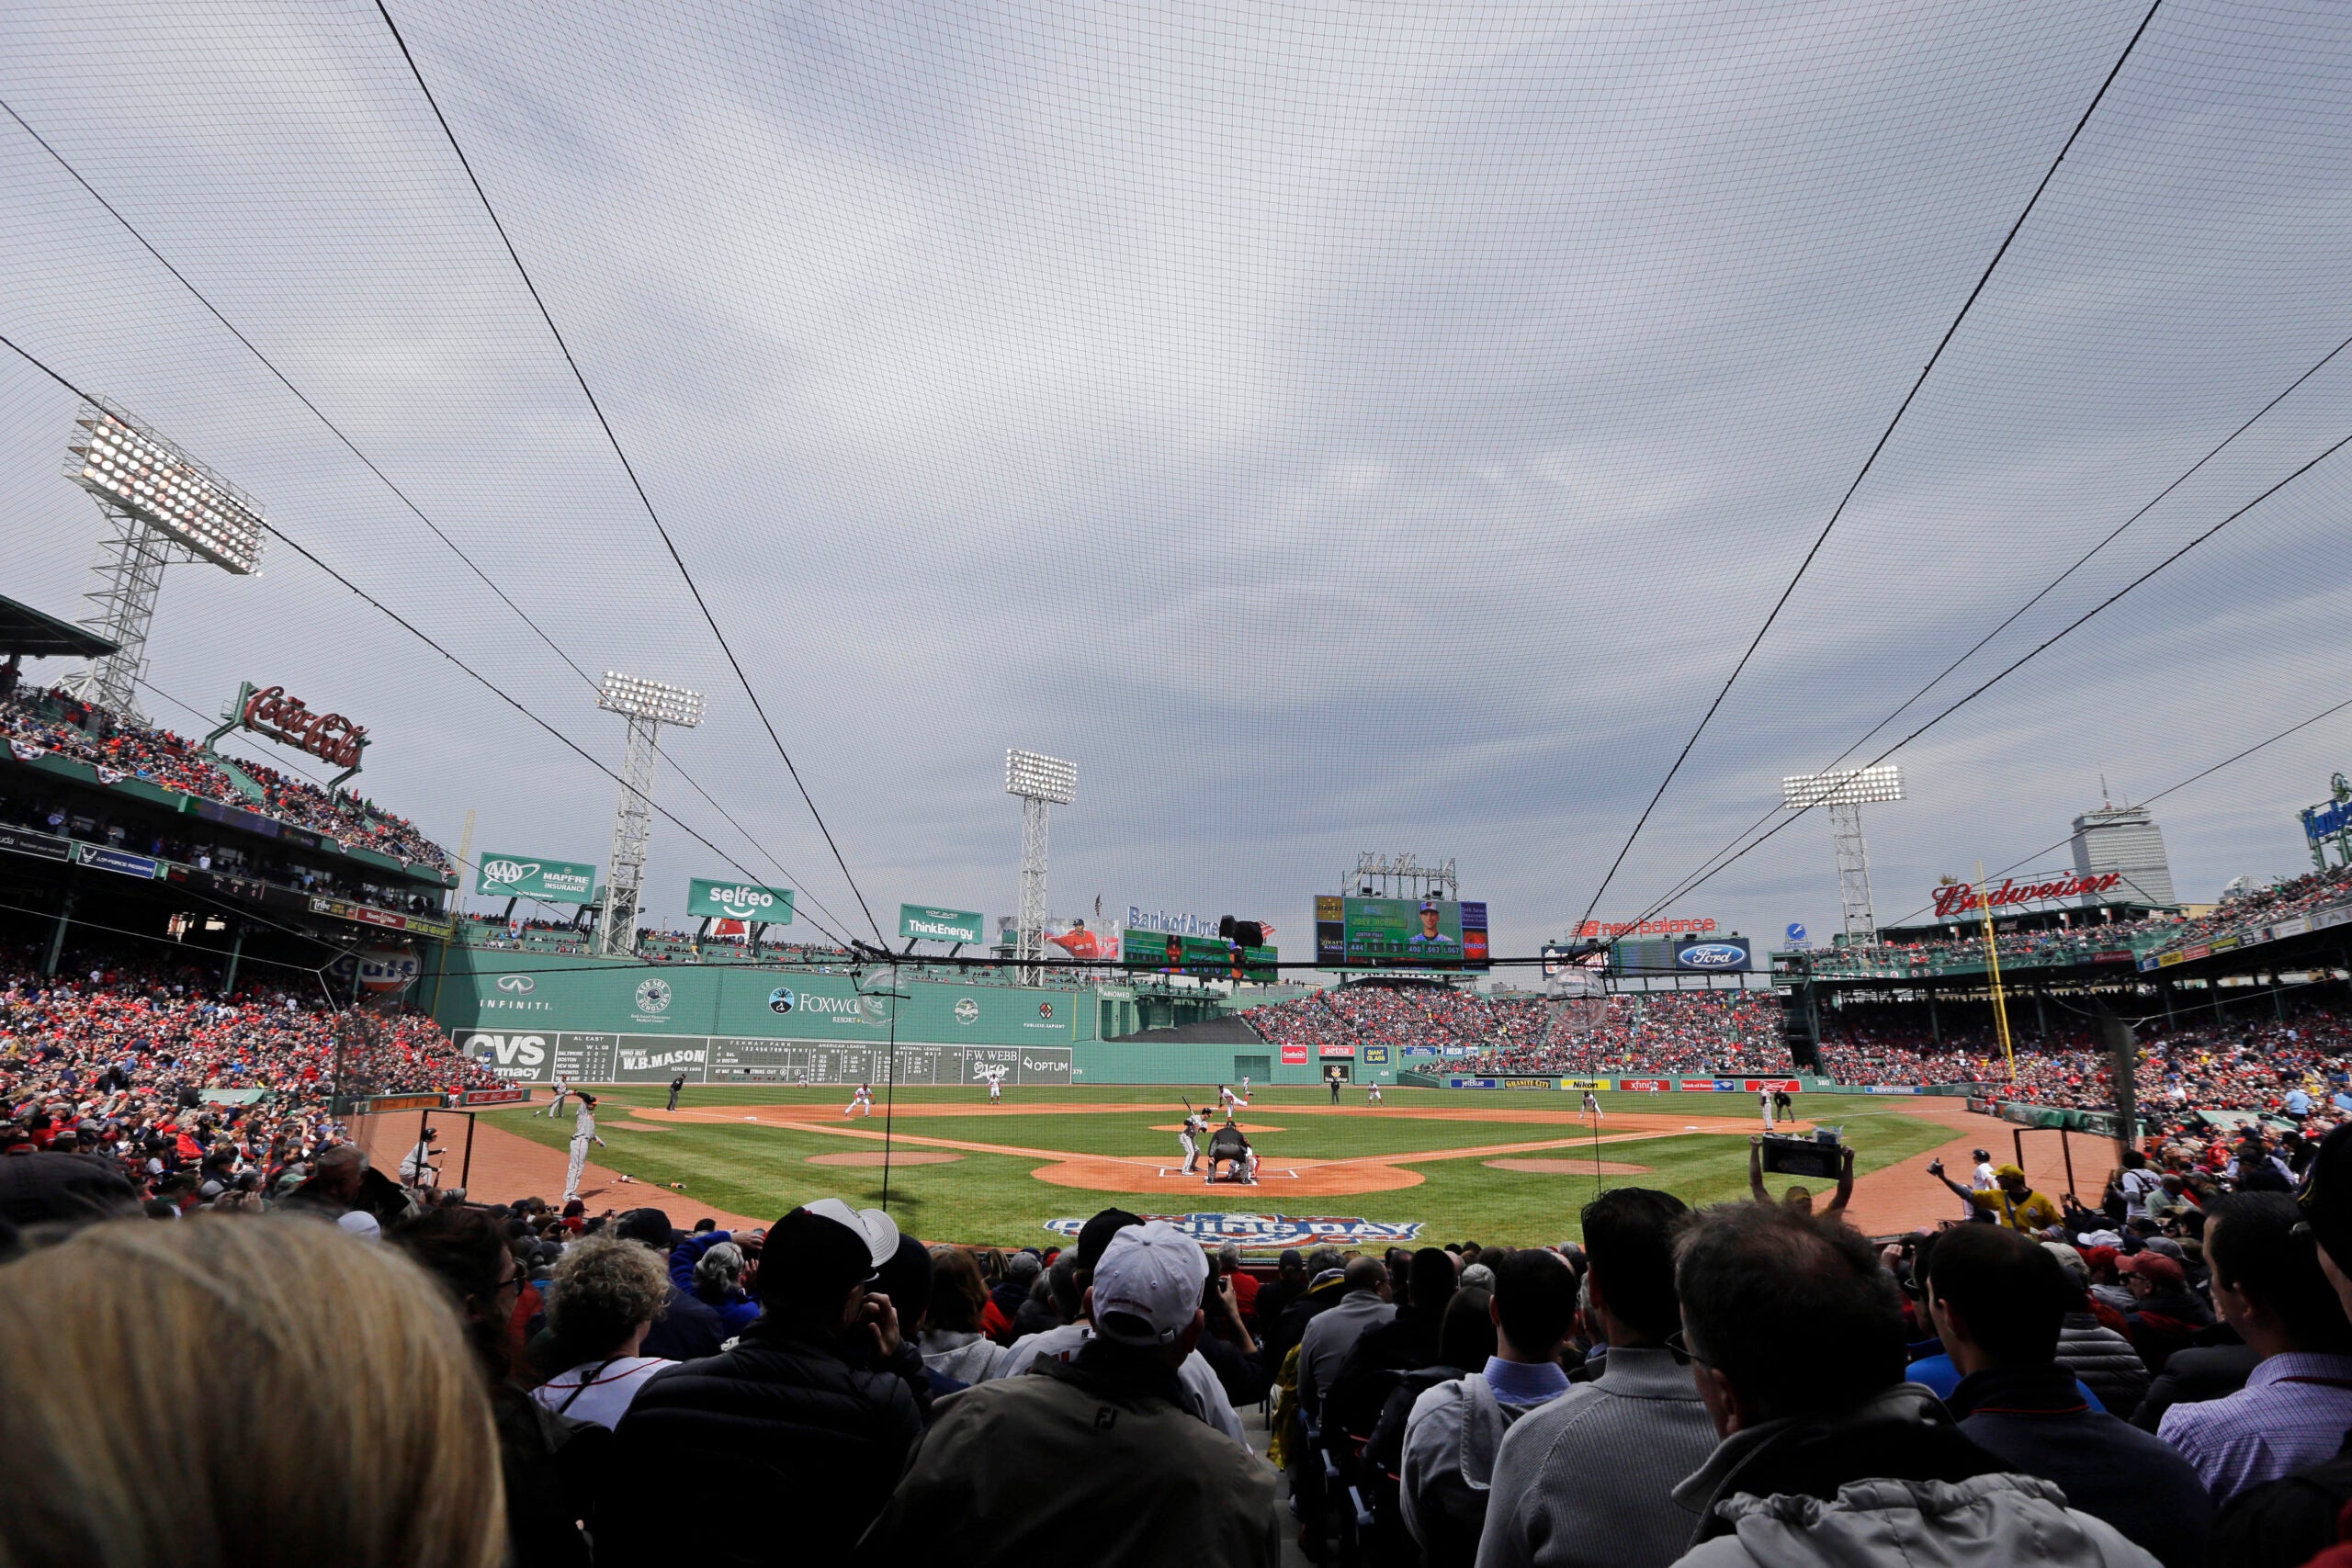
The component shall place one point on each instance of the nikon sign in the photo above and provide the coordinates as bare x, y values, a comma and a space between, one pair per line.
527, 876
925, 924
739, 901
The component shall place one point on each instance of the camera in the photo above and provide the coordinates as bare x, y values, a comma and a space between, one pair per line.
1819, 1157
1935, 1168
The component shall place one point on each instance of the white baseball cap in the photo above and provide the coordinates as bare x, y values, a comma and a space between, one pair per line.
362, 1225
879, 1230
1152, 1272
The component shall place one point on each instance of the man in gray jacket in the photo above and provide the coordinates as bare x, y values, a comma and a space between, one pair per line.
1334, 1333
1457, 1428
1585, 1482
1794, 1333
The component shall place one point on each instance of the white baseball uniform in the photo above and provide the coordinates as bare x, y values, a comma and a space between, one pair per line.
584, 1133
996, 1091
555, 1106
864, 1096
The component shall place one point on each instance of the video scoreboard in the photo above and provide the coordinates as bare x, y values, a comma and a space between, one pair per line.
1439, 935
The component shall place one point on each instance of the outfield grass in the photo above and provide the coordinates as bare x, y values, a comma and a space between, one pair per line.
993, 1199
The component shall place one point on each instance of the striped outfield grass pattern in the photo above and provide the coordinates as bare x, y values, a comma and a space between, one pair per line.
993, 1199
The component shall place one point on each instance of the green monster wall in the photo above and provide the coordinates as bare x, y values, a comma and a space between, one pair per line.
532, 1015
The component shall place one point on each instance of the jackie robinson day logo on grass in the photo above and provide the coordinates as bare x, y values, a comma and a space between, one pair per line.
1272, 1230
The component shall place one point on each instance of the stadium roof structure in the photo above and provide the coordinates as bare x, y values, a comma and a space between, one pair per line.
35, 634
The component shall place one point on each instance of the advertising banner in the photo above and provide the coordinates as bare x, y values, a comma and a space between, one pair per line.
1401, 933
1293, 1056
1340, 1051
1529, 1083
1375, 1055
1645, 1086
473, 1096
1583, 1083
100, 858
530, 876
921, 922
40, 846
1700, 1086
737, 901
524, 1056
1469, 1083
1724, 955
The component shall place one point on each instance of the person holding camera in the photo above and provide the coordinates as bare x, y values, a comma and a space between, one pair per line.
1799, 1198
2010, 1201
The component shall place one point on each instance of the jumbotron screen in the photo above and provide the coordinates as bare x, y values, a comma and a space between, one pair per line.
1400, 933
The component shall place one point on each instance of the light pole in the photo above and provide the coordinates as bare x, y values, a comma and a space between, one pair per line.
648, 706
160, 506
1039, 781
1845, 793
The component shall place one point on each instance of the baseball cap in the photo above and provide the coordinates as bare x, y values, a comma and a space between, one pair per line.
877, 1230
1428, 907
1980, 1154
1148, 1284
361, 1225
2001, 1170
648, 1226
2154, 1267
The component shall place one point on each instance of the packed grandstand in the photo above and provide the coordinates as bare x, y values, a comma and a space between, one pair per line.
35, 723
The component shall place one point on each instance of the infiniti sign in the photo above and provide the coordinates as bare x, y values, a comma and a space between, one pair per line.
522, 983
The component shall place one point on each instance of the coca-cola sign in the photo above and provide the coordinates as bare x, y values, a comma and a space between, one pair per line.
1960, 897
329, 736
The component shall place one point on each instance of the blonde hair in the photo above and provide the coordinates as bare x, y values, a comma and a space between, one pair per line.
231, 1389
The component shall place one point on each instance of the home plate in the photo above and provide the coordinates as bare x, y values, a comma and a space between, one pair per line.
1263, 1172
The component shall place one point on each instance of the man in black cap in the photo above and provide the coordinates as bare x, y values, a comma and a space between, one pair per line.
690, 1326
820, 1398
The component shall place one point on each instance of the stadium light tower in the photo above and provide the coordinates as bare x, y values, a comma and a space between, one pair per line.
160, 506
648, 706
1845, 793
1040, 781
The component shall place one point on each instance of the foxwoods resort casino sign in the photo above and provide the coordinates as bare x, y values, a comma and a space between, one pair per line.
1271, 1231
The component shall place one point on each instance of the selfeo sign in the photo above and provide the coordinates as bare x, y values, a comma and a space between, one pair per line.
739, 901
923, 923
532, 876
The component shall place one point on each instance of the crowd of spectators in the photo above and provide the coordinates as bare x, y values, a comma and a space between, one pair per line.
32, 723
2261, 906
389, 1376
2194, 1064
1436, 1019
1661, 1032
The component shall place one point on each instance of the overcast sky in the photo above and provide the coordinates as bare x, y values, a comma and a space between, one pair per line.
1334, 427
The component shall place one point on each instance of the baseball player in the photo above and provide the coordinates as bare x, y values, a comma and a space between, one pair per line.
1189, 1139
1764, 1104
584, 1133
1593, 1105
1245, 1091
1228, 1100
996, 1090
418, 1170
556, 1105
864, 1096
1371, 1094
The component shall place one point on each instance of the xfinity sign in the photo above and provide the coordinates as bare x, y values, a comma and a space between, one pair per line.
739, 901
920, 922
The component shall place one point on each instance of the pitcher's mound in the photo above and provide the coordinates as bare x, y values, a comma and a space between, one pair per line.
1568, 1167
1279, 1180
876, 1157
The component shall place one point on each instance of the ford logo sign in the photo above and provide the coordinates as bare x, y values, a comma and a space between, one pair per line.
1713, 955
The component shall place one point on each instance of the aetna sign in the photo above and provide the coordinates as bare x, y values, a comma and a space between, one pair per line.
1960, 897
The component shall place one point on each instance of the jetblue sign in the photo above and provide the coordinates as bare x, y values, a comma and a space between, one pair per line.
1729, 954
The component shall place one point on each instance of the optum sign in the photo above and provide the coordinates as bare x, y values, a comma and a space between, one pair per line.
739, 901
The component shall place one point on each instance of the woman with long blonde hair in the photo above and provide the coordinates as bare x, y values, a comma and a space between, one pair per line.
231, 1389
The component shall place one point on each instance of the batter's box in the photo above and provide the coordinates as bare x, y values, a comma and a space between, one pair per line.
1264, 1172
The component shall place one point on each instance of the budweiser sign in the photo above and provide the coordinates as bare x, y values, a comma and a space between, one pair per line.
1960, 897
1611, 929
329, 736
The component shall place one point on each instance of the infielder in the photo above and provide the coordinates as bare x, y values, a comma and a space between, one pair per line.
1764, 1101
864, 1096
1371, 1095
556, 1105
584, 1133
1593, 1105
1188, 1138
996, 1091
